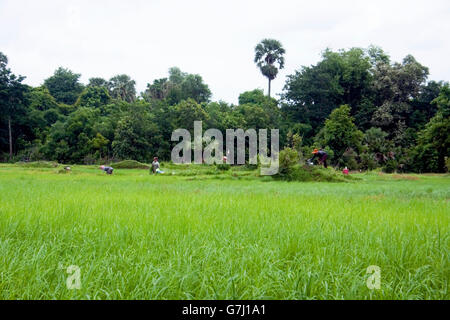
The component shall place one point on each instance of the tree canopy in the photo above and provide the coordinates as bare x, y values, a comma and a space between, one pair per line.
364, 109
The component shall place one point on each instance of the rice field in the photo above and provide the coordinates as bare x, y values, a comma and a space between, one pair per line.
226, 236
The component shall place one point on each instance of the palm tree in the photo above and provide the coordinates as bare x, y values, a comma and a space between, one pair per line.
122, 87
267, 53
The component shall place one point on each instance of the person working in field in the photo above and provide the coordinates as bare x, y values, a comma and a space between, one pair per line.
321, 156
108, 170
155, 166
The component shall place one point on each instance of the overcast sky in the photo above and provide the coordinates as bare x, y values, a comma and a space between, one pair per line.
216, 39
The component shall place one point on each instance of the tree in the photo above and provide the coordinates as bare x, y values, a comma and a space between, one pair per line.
268, 107
136, 136
434, 141
375, 140
340, 133
186, 112
159, 90
254, 97
180, 86
395, 87
340, 78
64, 86
268, 53
98, 82
193, 87
72, 140
93, 97
11, 97
122, 87
422, 108
43, 111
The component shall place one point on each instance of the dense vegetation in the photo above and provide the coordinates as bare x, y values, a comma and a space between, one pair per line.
364, 109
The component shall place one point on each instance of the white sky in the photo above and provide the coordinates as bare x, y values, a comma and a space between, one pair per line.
215, 39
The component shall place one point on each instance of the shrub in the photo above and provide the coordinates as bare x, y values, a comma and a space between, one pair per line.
318, 174
38, 164
390, 166
349, 159
223, 166
368, 161
131, 164
288, 158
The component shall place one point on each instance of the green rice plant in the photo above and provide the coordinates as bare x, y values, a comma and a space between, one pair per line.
139, 236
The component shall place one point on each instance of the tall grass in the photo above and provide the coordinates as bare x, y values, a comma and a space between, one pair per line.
137, 236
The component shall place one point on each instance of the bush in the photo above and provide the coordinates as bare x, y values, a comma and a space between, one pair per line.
90, 159
288, 159
131, 164
368, 161
390, 166
318, 174
223, 166
38, 164
249, 166
349, 160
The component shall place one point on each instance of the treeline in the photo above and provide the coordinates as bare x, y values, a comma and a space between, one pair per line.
364, 109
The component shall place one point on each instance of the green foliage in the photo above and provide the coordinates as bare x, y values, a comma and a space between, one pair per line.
288, 159
122, 87
349, 160
38, 164
343, 77
340, 133
41, 99
223, 166
375, 140
253, 97
390, 166
368, 161
180, 86
186, 112
136, 136
64, 86
12, 107
434, 141
98, 82
72, 140
327, 105
312, 174
93, 97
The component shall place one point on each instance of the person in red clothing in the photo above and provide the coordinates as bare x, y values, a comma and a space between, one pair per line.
345, 171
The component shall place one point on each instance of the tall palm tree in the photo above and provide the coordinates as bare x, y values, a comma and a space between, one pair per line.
268, 53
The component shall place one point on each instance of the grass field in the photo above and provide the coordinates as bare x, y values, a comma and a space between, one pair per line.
231, 236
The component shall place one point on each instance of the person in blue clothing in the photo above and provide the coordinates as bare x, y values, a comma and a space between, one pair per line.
108, 170
156, 166
321, 156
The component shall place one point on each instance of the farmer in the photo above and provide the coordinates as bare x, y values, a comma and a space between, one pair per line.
321, 155
155, 166
108, 170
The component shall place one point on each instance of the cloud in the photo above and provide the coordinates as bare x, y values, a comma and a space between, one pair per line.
214, 39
